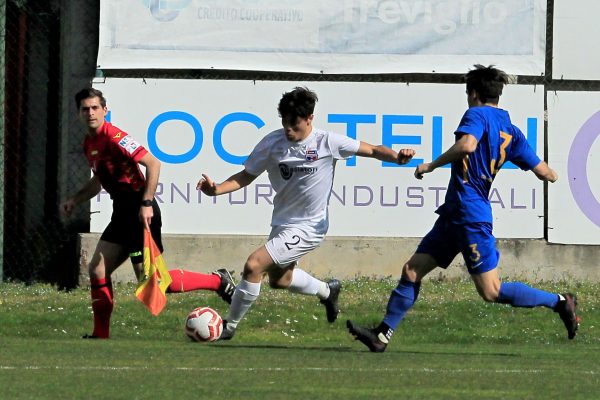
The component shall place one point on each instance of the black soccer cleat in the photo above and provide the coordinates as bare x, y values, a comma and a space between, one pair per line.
227, 287
226, 334
331, 303
367, 336
566, 309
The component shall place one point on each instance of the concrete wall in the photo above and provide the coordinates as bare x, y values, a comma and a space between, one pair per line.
347, 257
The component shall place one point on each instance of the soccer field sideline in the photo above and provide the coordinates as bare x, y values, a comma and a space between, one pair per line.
289, 369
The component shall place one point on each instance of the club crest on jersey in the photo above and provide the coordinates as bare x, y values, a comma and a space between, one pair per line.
312, 155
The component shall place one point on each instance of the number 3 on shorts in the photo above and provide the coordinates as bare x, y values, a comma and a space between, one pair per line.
475, 255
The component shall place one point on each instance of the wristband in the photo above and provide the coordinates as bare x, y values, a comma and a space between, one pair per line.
147, 203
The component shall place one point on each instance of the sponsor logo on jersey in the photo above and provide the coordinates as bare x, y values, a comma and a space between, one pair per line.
129, 144
124, 141
287, 171
132, 146
94, 152
311, 155
118, 135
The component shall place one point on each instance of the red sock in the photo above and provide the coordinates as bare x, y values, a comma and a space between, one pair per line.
102, 305
186, 281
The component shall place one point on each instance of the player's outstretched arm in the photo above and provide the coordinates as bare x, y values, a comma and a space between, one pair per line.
231, 184
544, 172
461, 148
384, 153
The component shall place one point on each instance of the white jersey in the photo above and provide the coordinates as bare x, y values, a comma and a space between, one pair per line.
301, 173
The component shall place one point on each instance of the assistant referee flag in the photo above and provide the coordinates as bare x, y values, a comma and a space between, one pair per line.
151, 289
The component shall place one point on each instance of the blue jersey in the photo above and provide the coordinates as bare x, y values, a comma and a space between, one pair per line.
499, 141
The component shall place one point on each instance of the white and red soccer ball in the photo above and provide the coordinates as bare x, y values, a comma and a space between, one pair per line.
203, 324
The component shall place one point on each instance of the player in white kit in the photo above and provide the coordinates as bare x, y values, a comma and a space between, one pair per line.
300, 161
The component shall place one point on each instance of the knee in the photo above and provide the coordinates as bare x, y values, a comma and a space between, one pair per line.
281, 277
275, 283
94, 271
409, 272
418, 266
252, 267
406, 269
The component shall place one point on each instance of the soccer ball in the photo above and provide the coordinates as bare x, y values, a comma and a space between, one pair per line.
203, 324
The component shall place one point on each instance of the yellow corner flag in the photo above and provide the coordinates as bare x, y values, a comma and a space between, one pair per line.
151, 289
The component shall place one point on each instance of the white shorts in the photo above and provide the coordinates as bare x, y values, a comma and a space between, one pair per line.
288, 243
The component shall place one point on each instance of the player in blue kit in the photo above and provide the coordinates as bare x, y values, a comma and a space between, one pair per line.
485, 140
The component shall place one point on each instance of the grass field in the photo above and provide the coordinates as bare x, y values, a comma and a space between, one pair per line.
451, 345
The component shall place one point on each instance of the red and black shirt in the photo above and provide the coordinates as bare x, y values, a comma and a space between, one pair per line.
113, 156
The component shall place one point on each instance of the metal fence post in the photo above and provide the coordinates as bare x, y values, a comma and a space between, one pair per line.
2, 67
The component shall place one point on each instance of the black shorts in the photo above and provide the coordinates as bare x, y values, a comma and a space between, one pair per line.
126, 229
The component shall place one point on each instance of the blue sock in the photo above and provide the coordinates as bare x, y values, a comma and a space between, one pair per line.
401, 300
518, 294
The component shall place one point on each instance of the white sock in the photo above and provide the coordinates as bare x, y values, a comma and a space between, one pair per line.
304, 283
245, 294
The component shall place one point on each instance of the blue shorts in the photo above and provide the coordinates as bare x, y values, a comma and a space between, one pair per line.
474, 240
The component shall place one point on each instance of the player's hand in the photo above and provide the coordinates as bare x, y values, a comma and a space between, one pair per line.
422, 169
67, 207
207, 185
146, 214
405, 155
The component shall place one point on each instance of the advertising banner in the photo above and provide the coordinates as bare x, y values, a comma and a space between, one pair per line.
331, 37
574, 152
209, 127
576, 29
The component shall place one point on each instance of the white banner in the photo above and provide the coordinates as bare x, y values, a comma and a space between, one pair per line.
576, 29
196, 127
574, 151
332, 37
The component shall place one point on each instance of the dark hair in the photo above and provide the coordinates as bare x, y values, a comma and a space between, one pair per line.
88, 93
300, 102
487, 82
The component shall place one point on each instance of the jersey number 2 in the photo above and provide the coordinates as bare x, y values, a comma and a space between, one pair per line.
289, 245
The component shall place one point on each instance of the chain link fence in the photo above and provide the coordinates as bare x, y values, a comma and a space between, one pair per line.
36, 246
30, 135
47, 52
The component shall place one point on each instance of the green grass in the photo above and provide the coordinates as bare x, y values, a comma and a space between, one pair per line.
451, 345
